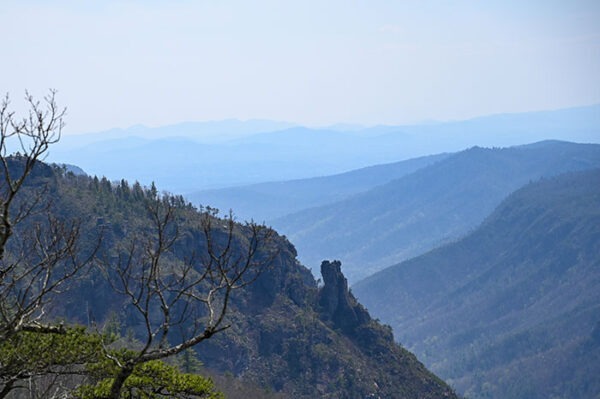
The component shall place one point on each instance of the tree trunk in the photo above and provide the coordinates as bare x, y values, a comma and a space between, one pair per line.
117, 386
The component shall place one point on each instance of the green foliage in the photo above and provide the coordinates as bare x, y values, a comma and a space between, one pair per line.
29, 353
188, 362
150, 380
76, 351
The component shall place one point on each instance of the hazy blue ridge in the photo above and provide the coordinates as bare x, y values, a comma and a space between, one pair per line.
512, 310
189, 157
436, 204
267, 201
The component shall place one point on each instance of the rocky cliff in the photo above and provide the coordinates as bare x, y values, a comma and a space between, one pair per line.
336, 303
287, 335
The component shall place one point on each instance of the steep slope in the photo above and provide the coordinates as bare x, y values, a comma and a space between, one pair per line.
320, 343
266, 201
287, 334
438, 203
513, 309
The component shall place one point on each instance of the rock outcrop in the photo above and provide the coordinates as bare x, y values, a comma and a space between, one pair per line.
337, 302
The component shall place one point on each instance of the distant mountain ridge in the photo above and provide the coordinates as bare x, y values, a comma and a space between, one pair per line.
513, 309
207, 131
578, 124
435, 204
199, 156
267, 201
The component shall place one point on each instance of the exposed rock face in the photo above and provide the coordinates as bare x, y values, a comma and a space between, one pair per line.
337, 303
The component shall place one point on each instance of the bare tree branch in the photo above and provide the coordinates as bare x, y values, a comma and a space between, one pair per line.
39, 253
193, 294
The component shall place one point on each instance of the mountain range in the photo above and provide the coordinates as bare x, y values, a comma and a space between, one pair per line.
287, 335
507, 308
196, 156
435, 204
267, 201
512, 309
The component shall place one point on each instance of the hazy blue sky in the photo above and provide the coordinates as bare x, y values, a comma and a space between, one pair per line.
118, 63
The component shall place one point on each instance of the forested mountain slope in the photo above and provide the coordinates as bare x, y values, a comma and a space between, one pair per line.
287, 335
267, 201
436, 204
513, 309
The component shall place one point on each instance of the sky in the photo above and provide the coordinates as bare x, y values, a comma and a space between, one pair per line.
117, 63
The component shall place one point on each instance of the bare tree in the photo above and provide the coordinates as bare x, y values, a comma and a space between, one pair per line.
39, 252
178, 302
182, 302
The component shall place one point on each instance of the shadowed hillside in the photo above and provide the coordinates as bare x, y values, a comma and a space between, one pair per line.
436, 204
286, 336
267, 201
513, 309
